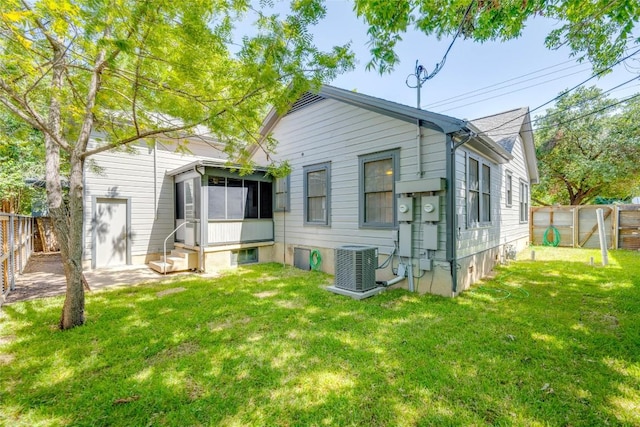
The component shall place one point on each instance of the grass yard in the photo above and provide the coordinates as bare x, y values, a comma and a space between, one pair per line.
553, 342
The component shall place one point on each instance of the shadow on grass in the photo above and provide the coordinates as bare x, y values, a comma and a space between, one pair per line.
269, 346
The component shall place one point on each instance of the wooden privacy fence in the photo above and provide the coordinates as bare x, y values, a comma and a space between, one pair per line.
578, 225
16, 246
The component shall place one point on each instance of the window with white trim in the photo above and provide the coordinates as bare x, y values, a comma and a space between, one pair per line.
508, 189
378, 173
478, 192
317, 179
524, 201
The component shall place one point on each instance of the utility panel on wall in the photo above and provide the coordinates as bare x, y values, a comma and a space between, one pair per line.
405, 209
430, 208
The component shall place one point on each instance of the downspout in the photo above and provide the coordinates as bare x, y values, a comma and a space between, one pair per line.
452, 234
452, 229
203, 219
155, 178
419, 148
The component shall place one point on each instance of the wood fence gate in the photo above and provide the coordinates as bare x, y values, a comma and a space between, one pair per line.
578, 225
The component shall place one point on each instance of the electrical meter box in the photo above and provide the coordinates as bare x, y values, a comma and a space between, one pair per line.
405, 209
430, 208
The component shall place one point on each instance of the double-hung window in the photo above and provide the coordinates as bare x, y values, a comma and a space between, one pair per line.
508, 189
478, 192
524, 201
378, 173
317, 194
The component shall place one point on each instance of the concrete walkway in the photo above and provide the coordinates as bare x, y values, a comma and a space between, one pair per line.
44, 277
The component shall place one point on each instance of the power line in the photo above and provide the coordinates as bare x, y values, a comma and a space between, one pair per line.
420, 72
517, 90
555, 113
593, 76
590, 113
465, 94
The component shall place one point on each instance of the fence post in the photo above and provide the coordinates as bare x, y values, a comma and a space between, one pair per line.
12, 255
576, 226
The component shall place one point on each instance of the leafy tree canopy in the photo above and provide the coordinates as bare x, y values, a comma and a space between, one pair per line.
21, 158
588, 145
599, 30
130, 70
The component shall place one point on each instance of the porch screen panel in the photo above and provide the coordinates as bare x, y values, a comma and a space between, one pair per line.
217, 198
179, 200
251, 201
235, 198
266, 200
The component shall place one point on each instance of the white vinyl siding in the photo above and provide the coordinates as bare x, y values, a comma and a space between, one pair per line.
132, 175
282, 199
340, 133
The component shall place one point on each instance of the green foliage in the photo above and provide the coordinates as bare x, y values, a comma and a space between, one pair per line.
599, 30
550, 342
586, 149
21, 158
170, 67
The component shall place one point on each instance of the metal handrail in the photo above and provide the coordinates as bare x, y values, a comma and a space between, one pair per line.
164, 253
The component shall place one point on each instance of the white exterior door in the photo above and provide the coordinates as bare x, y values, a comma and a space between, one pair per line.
110, 232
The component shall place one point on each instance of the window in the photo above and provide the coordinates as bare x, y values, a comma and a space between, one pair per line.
282, 194
524, 202
478, 192
317, 179
377, 184
508, 189
486, 194
244, 256
238, 199
473, 192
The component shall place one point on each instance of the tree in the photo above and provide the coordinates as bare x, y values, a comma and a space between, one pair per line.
130, 70
588, 145
599, 30
21, 158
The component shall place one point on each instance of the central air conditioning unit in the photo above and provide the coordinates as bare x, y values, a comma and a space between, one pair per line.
356, 268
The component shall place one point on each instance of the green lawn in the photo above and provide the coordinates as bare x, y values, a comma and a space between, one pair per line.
552, 342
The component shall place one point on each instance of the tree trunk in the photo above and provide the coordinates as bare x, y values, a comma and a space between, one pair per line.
69, 227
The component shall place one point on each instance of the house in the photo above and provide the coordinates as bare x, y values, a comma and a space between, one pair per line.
441, 199
156, 196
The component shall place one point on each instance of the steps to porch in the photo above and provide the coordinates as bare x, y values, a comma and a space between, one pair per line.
177, 260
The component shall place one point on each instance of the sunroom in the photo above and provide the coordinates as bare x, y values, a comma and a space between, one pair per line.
222, 218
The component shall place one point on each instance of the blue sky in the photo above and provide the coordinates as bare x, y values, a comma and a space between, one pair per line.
470, 66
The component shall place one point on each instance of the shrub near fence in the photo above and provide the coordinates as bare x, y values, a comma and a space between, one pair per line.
578, 225
16, 246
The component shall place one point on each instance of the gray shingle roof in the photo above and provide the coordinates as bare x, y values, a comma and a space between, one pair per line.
503, 128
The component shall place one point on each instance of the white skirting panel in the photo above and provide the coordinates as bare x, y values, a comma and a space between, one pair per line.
240, 231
